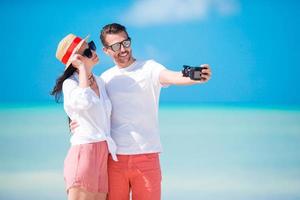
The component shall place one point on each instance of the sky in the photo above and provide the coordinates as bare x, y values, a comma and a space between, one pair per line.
251, 46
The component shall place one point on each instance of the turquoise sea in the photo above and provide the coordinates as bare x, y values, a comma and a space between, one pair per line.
210, 152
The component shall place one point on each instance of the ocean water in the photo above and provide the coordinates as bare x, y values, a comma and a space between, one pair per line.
210, 153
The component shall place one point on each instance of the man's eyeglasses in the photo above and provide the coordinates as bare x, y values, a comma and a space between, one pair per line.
117, 46
88, 51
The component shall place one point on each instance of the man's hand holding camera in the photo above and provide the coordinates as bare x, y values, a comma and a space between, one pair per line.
188, 76
200, 74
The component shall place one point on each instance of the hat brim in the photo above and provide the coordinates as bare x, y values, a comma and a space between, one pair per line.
75, 50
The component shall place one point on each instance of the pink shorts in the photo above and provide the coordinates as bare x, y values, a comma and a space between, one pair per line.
86, 167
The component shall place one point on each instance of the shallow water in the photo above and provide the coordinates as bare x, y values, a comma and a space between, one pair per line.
209, 152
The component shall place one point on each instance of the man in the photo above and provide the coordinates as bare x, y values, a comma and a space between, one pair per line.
134, 88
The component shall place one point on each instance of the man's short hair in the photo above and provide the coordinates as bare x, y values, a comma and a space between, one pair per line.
113, 28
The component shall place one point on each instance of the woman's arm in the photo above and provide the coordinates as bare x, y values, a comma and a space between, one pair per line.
78, 95
82, 70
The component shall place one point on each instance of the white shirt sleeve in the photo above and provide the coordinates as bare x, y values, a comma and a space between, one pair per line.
75, 96
156, 68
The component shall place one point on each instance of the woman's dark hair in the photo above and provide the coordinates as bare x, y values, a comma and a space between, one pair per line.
57, 89
113, 28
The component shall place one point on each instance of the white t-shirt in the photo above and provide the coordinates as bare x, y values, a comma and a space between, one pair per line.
134, 92
90, 111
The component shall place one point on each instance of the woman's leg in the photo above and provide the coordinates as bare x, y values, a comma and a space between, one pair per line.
100, 196
85, 172
77, 193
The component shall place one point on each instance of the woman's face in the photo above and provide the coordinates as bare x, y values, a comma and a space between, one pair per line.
89, 62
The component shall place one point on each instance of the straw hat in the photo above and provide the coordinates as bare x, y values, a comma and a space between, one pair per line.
68, 46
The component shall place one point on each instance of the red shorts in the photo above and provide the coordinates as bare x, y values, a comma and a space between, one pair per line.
140, 174
86, 167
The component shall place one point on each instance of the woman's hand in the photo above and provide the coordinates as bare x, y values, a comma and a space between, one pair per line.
77, 61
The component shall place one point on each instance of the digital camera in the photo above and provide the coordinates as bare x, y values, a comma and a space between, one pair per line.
193, 72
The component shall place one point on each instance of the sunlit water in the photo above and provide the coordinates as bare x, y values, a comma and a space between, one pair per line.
210, 153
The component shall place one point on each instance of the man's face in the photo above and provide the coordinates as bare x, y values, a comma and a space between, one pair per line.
122, 56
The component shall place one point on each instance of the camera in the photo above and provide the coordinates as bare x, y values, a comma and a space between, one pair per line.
193, 72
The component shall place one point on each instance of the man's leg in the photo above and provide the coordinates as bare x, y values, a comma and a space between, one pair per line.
118, 182
146, 183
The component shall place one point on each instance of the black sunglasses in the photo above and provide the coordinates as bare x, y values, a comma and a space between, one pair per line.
88, 51
117, 46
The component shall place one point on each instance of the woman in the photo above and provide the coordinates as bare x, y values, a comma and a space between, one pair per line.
85, 100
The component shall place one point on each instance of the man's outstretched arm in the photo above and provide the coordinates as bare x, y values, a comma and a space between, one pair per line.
168, 77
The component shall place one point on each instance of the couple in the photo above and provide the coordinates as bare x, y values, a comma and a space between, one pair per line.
116, 143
